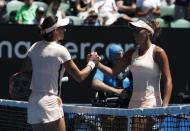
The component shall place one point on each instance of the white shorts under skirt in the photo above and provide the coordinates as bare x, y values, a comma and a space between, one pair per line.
44, 108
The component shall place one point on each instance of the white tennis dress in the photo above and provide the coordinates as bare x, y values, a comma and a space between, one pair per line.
44, 104
146, 80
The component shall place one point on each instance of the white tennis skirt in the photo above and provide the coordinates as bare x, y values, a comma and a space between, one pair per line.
44, 108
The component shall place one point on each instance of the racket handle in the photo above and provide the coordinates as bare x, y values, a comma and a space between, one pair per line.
65, 79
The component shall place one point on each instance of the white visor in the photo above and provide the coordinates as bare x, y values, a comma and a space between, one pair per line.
141, 24
59, 23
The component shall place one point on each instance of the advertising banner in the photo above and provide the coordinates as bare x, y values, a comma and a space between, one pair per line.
15, 40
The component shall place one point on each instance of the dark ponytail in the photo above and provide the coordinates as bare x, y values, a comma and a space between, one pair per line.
47, 23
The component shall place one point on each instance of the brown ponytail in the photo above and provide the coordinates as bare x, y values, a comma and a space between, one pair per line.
152, 22
156, 27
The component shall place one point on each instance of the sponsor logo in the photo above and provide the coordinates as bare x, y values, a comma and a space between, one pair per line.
10, 50
77, 50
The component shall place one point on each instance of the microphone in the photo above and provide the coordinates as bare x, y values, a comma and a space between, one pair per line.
65, 79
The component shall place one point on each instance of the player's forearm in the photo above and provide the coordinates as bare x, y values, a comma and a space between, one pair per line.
167, 92
107, 70
73, 70
99, 85
84, 73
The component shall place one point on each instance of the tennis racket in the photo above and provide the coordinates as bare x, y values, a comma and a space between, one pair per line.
19, 86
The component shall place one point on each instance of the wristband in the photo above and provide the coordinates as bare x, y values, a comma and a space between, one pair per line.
91, 64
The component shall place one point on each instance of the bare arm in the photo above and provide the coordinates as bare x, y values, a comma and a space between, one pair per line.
99, 85
73, 70
162, 60
79, 75
121, 66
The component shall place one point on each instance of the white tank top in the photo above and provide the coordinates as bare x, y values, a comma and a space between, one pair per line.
146, 80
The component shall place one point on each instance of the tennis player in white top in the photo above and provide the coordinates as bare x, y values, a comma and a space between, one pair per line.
49, 59
147, 63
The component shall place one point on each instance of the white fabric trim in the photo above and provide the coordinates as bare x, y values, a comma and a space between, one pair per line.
91, 64
141, 24
60, 22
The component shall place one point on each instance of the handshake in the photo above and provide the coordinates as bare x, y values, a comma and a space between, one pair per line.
93, 59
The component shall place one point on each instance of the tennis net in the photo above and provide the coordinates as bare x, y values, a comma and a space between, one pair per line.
87, 118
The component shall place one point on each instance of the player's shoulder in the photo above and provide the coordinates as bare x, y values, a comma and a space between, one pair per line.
159, 53
37, 43
61, 47
34, 45
130, 52
158, 50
